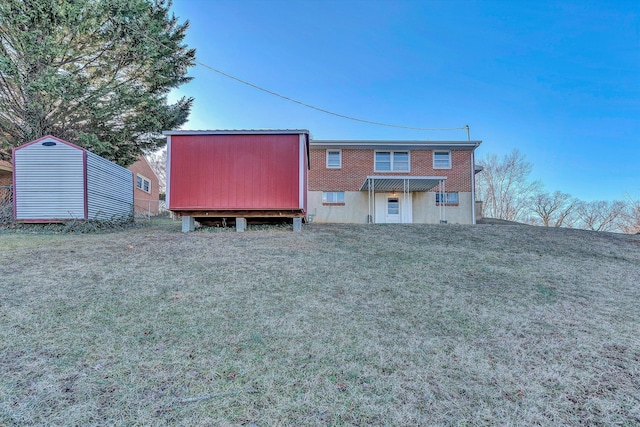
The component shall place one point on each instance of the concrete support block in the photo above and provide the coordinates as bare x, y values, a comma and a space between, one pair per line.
297, 224
241, 224
188, 224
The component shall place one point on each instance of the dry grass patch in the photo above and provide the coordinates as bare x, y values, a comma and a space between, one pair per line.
337, 325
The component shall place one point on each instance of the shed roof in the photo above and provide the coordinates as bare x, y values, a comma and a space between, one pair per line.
50, 138
238, 132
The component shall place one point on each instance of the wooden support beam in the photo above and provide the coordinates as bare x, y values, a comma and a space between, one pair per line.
241, 214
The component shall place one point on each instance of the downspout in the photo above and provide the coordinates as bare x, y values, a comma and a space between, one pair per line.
444, 200
473, 187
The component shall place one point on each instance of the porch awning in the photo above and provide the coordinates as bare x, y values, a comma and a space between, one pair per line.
401, 183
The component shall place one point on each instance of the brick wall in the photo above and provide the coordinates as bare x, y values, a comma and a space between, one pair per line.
357, 164
6, 178
144, 201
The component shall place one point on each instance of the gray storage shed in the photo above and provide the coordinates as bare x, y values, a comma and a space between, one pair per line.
57, 181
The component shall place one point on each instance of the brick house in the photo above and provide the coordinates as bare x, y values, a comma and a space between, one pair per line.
146, 188
6, 173
392, 181
6, 181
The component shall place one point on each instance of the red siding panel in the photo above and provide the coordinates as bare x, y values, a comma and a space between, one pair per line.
235, 172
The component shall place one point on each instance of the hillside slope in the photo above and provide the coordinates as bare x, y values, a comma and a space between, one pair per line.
337, 325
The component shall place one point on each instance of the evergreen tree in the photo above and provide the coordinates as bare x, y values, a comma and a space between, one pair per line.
92, 72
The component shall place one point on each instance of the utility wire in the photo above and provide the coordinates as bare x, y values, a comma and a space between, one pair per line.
318, 108
304, 104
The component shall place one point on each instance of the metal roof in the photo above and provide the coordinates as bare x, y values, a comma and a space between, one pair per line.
237, 132
395, 144
397, 183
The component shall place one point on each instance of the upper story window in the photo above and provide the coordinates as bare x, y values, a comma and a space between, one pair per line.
391, 161
442, 159
143, 183
334, 159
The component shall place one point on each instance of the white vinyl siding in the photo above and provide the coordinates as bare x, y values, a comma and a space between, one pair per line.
49, 182
334, 159
442, 159
109, 189
391, 161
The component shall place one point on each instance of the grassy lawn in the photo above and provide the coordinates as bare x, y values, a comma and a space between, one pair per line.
337, 325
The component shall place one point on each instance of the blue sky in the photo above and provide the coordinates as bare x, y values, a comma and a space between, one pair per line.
560, 81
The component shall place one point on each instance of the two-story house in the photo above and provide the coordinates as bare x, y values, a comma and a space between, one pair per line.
392, 181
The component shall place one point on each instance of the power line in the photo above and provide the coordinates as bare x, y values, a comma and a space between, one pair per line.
318, 108
304, 104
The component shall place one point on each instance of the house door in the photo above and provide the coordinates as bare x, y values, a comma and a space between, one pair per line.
392, 214
393, 208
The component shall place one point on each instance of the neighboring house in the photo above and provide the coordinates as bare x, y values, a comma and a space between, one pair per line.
392, 181
57, 181
146, 188
6, 173
6, 180
235, 175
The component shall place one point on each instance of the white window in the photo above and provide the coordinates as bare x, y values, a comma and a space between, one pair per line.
334, 159
393, 206
449, 198
333, 197
442, 159
143, 183
391, 161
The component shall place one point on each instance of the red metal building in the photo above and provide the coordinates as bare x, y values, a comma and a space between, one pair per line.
238, 174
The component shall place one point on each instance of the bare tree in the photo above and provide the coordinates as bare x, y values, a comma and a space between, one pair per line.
600, 215
504, 186
158, 162
630, 220
553, 210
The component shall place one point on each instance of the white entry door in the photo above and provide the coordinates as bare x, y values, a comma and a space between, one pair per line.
392, 215
393, 208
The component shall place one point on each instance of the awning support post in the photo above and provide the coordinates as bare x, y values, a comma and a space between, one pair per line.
443, 202
371, 201
405, 196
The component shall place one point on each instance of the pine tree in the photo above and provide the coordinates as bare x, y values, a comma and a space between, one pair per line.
93, 72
